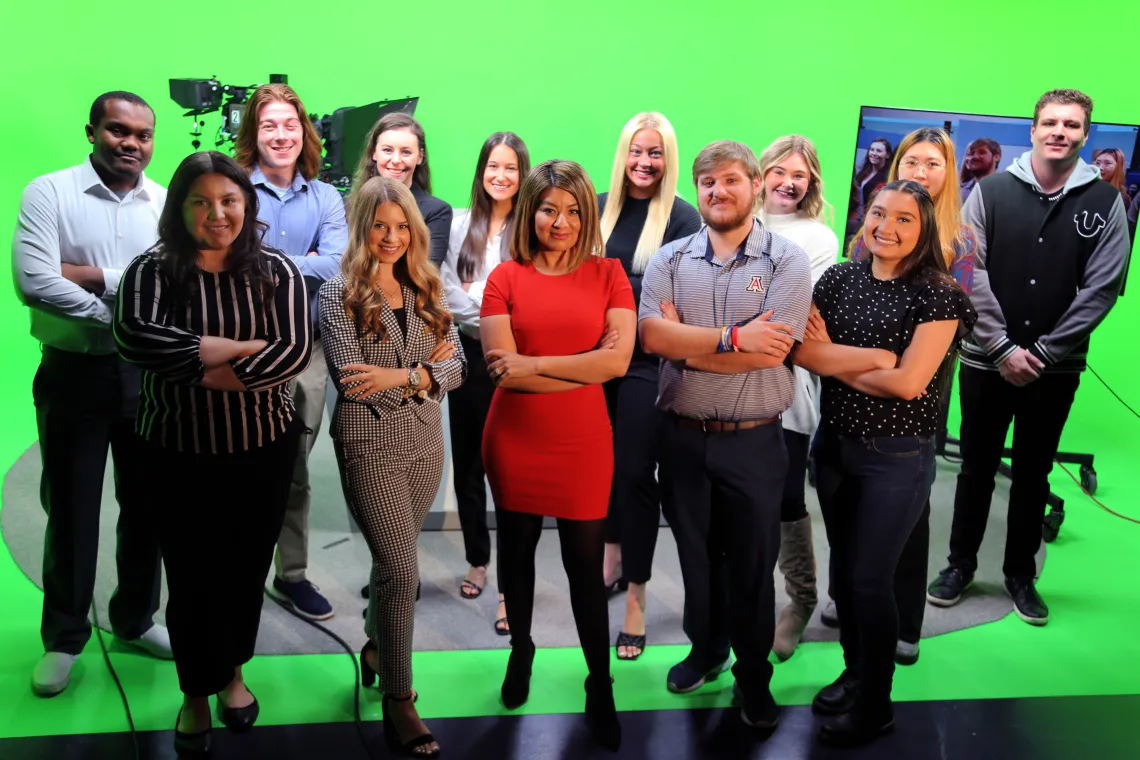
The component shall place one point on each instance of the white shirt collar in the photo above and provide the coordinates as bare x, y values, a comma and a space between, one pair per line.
90, 180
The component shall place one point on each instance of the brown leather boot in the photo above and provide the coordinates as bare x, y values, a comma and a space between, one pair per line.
797, 563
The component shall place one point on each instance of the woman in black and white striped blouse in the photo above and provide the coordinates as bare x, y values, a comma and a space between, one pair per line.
218, 325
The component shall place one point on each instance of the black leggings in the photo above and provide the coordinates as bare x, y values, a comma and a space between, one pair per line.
583, 546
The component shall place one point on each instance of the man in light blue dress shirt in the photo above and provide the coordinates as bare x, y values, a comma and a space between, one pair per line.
280, 148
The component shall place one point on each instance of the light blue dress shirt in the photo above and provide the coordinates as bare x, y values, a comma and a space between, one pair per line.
307, 216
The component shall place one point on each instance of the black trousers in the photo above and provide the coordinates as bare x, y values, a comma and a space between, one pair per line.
1038, 412
793, 507
721, 494
467, 408
871, 492
218, 523
86, 404
635, 500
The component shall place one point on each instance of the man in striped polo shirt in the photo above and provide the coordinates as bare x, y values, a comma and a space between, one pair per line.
723, 308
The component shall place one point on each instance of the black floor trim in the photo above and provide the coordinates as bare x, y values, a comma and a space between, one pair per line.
1060, 728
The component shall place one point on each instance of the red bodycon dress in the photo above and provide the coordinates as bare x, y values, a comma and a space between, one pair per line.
552, 453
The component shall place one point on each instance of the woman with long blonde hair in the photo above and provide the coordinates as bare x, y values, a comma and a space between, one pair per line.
926, 156
791, 204
393, 350
640, 213
1113, 169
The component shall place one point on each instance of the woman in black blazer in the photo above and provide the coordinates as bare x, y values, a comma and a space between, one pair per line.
393, 349
397, 149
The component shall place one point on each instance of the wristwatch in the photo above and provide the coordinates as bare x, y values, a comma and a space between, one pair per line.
415, 377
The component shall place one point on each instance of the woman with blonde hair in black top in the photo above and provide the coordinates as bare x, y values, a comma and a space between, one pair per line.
639, 214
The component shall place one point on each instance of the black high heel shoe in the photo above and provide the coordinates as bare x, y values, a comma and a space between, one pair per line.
601, 713
367, 674
192, 745
516, 684
409, 748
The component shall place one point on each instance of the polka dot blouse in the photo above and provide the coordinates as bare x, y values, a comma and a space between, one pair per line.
863, 311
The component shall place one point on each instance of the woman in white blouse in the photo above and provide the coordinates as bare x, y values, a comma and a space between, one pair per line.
791, 204
477, 245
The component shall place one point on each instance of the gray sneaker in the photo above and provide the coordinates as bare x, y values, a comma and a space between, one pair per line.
52, 673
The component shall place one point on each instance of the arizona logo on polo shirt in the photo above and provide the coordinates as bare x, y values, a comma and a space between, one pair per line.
755, 286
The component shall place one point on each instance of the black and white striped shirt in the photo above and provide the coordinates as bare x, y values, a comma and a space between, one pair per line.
769, 272
163, 338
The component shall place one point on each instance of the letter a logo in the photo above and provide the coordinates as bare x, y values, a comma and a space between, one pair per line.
1087, 229
755, 286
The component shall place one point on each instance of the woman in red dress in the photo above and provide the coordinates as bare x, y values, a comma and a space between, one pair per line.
557, 321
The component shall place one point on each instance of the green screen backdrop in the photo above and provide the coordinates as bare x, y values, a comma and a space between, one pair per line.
566, 77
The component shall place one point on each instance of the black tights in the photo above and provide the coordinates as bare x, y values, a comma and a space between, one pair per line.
583, 545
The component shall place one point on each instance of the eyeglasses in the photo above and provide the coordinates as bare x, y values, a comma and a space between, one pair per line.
929, 167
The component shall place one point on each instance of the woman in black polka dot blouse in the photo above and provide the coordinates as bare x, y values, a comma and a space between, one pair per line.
901, 311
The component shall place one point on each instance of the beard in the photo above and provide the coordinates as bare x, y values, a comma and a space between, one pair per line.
724, 224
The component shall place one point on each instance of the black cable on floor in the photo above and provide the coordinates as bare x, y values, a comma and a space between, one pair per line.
1114, 393
118, 683
352, 654
355, 667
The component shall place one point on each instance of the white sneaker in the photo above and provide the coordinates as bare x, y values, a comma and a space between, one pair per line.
52, 673
155, 642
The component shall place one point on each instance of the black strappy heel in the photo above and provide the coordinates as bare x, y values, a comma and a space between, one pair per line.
410, 747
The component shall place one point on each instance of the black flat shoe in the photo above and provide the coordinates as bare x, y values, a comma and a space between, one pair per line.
516, 684
857, 727
238, 719
193, 745
838, 697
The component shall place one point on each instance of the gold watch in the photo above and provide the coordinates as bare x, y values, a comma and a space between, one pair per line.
415, 377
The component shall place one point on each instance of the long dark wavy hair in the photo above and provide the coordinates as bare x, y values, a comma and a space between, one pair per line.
470, 257
176, 250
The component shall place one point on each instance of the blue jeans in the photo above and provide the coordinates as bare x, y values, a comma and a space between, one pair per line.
872, 492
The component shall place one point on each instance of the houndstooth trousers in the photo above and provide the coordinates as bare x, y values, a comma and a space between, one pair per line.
389, 483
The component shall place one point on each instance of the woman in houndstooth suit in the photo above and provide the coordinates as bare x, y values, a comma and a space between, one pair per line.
393, 349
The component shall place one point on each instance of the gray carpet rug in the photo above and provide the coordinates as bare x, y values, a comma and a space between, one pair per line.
339, 564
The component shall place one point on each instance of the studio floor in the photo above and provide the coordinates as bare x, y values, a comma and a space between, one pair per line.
987, 686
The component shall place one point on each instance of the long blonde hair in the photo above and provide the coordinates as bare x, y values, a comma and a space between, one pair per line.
948, 204
813, 204
661, 204
363, 300
572, 178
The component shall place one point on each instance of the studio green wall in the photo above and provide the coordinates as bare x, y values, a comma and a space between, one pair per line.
566, 77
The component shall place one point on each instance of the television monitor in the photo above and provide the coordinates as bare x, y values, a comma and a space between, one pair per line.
982, 142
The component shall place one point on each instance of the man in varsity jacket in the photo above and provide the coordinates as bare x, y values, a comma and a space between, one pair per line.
1052, 246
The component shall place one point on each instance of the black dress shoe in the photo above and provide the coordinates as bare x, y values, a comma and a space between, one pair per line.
857, 727
836, 698
760, 712
192, 745
238, 719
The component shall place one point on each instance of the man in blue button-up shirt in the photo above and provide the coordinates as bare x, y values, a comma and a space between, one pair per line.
280, 148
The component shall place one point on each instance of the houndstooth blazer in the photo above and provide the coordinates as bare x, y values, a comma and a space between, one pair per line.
343, 345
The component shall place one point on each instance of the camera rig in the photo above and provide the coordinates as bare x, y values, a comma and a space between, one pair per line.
343, 132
